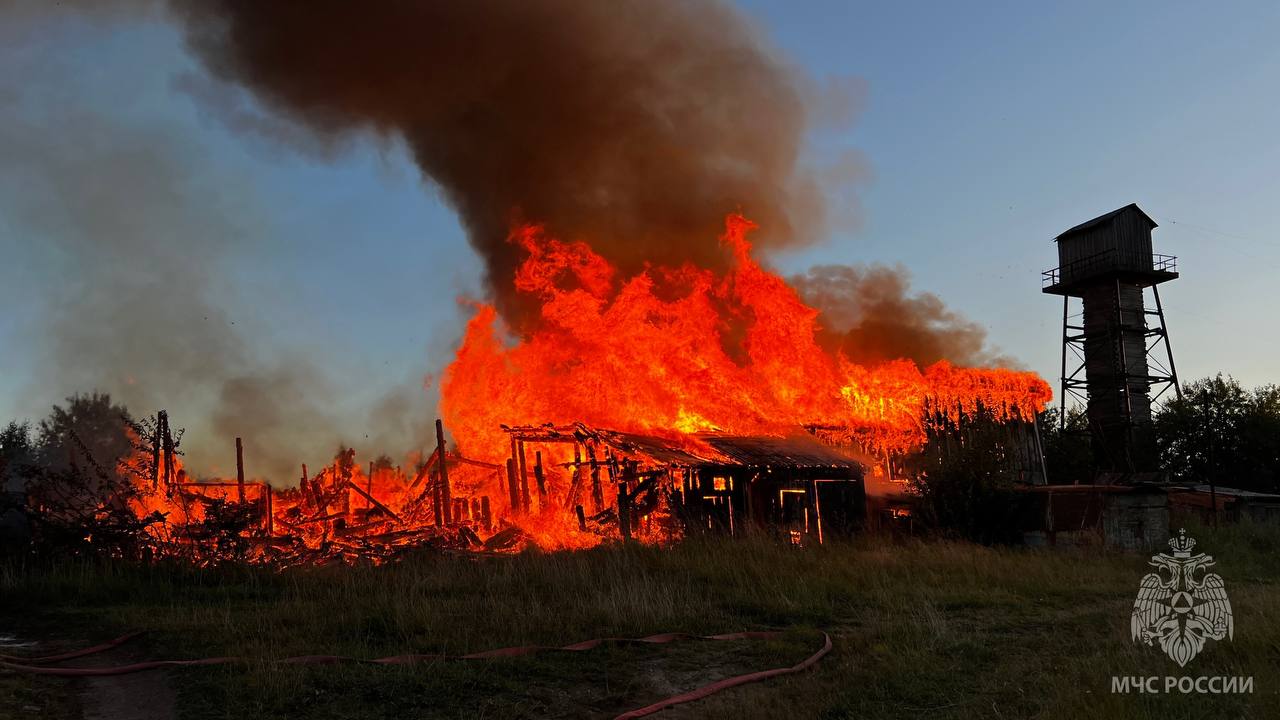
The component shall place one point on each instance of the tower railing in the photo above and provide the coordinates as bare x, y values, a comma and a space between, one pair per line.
1108, 261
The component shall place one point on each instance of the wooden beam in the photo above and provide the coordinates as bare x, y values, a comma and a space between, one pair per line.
478, 463
542, 480
575, 487
167, 448
446, 495
597, 492
155, 455
240, 468
372, 501
434, 487
624, 511
270, 502
524, 478
422, 471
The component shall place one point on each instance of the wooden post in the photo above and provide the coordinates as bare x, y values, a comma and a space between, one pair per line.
155, 454
368, 486
437, 500
342, 468
445, 493
240, 469
575, 485
524, 479
582, 518
624, 511
542, 480
271, 526
485, 518
513, 486
597, 492
167, 449
302, 485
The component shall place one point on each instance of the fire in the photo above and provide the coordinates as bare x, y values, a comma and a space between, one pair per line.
670, 352
680, 350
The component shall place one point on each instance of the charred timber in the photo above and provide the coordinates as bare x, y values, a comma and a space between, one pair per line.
445, 491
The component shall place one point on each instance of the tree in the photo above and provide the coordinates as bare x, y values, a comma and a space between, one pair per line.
966, 477
17, 453
77, 488
1222, 432
89, 433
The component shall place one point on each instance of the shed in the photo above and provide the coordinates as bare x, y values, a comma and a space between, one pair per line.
1203, 503
1116, 245
793, 485
1130, 517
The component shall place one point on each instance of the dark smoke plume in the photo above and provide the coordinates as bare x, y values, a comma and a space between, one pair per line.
636, 124
128, 229
869, 315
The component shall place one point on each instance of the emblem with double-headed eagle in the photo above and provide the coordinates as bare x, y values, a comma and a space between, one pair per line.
1182, 604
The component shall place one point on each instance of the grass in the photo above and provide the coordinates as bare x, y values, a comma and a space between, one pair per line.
934, 629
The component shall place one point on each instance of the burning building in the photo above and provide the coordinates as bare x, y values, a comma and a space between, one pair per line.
712, 481
599, 158
639, 407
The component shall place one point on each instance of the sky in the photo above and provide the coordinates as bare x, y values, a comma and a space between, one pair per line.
985, 128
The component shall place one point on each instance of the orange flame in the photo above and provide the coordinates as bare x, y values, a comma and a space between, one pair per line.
679, 350
670, 351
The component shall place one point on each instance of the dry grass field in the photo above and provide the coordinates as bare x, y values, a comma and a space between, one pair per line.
920, 628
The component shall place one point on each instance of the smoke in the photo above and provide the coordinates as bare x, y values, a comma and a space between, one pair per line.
869, 315
635, 124
127, 228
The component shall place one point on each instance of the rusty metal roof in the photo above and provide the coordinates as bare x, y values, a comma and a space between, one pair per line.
793, 451
799, 450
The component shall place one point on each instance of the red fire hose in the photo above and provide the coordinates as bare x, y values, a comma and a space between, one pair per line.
36, 666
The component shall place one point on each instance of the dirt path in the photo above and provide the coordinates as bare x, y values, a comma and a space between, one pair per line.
140, 696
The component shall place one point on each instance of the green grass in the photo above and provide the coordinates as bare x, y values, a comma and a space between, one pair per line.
921, 628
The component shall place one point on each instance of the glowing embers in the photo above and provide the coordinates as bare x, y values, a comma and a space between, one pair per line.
344, 512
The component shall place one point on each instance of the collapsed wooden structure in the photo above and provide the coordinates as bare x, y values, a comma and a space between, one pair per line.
336, 513
568, 486
793, 485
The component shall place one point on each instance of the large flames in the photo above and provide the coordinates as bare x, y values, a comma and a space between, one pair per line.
669, 351
680, 350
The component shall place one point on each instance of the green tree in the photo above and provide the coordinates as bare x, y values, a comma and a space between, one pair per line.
17, 453
966, 476
1223, 432
88, 433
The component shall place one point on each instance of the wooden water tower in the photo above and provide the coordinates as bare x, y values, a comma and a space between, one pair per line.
1115, 341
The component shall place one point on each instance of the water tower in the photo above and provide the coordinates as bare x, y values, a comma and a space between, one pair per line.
1120, 347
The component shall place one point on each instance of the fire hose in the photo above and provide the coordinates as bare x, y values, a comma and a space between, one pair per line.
38, 666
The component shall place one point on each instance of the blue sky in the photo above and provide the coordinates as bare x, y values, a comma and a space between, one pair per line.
987, 128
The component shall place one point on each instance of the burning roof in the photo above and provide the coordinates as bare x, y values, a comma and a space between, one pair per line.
680, 351
797, 450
